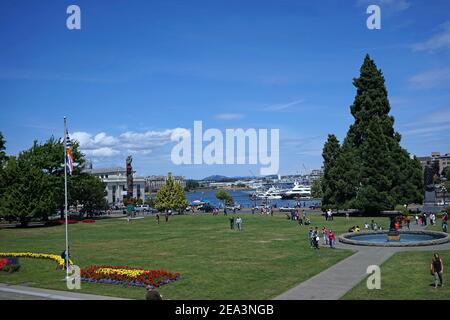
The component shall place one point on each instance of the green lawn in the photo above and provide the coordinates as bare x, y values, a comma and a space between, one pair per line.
406, 276
268, 257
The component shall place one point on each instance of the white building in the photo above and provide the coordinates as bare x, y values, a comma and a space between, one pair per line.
154, 183
116, 184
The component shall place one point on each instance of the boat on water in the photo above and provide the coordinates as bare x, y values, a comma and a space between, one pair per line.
273, 193
299, 191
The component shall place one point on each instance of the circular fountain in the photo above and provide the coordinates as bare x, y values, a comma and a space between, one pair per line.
394, 237
407, 238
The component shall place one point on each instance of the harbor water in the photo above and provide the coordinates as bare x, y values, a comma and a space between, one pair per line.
242, 197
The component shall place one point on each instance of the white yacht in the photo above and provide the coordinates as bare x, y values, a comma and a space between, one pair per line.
272, 193
298, 191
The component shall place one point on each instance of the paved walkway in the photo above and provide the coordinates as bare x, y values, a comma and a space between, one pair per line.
336, 281
14, 292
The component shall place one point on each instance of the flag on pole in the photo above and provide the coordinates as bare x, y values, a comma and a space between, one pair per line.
69, 156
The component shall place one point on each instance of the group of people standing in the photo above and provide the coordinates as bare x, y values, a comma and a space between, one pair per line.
328, 236
236, 221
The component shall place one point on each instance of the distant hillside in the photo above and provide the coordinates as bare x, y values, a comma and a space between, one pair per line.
217, 178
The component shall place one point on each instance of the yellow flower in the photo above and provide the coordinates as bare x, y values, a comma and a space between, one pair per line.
53, 257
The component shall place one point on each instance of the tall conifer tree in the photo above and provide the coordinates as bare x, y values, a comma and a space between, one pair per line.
373, 172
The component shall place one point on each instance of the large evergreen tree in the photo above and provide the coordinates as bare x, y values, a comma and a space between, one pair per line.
330, 154
372, 172
2, 150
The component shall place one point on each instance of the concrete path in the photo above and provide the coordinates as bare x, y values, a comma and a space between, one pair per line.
14, 292
336, 281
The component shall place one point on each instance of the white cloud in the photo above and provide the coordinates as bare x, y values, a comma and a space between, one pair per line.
388, 5
101, 152
286, 107
431, 78
229, 116
103, 145
435, 123
88, 141
441, 40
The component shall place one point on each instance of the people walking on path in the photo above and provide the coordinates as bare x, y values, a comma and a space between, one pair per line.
157, 218
324, 235
316, 238
444, 222
417, 219
331, 239
239, 223
437, 269
310, 237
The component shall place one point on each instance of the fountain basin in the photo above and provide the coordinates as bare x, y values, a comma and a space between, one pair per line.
407, 238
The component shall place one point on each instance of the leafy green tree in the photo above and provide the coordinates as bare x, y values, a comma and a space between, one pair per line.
47, 164
447, 186
171, 197
28, 194
49, 157
191, 185
150, 201
224, 196
88, 191
446, 173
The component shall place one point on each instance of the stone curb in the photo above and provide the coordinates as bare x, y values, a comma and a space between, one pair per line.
442, 238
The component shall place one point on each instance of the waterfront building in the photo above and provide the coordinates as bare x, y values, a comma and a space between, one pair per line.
154, 183
441, 160
116, 184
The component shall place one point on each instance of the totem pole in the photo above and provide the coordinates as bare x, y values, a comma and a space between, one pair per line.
130, 207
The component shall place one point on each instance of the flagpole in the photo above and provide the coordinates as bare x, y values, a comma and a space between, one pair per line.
65, 196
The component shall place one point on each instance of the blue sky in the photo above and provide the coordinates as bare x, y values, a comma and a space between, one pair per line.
139, 69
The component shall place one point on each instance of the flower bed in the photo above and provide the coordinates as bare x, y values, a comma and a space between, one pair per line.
60, 261
9, 264
62, 221
88, 220
137, 277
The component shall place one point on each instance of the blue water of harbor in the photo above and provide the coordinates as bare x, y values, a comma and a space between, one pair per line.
242, 197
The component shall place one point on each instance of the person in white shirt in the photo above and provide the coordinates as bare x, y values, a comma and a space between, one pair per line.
239, 223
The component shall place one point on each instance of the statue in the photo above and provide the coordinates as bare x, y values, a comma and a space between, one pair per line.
129, 179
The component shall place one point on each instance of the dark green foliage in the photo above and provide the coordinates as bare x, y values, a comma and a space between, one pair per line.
446, 173
316, 189
2, 150
171, 197
224, 196
191, 185
88, 191
32, 185
28, 194
370, 171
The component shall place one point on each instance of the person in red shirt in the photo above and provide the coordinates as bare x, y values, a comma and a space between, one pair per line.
331, 238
